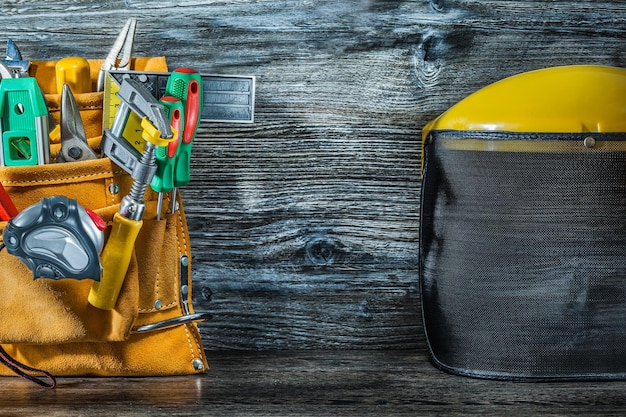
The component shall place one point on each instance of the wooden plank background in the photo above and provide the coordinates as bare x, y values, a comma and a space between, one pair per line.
305, 224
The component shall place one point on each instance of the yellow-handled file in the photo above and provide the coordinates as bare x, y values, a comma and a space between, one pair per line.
115, 259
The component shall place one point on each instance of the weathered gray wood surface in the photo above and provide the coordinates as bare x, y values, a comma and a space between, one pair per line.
305, 224
360, 383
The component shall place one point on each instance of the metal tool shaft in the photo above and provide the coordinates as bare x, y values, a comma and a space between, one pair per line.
133, 206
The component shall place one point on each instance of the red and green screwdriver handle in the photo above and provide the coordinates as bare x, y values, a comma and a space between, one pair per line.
163, 180
183, 101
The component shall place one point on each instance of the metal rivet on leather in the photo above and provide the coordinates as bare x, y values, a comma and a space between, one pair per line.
114, 188
198, 364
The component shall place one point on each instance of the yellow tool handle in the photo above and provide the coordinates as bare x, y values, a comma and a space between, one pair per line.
115, 259
75, 72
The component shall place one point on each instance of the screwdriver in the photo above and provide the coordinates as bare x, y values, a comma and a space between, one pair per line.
186, 85
163, 180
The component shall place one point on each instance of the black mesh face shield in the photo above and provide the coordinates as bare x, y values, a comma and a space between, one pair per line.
523, 253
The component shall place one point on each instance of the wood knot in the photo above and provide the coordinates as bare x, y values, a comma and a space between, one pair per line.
437, 5
425, 60
364, 311
321, 250
207, 293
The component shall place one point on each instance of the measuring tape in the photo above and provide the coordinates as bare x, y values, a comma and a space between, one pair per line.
226, 98
57, 238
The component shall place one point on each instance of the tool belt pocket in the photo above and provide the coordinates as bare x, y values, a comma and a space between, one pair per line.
55, 311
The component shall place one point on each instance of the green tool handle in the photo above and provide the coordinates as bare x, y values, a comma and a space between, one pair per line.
186, 85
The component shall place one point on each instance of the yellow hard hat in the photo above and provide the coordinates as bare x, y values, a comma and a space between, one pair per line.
565, 99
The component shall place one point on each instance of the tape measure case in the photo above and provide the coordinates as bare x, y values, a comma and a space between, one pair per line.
523, 228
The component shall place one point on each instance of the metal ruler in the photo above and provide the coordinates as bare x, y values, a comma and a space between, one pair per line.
227, 98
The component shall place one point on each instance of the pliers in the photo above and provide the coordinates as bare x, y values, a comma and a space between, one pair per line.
74, 146
121, 51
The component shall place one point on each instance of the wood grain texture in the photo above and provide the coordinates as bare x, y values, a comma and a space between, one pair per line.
305, 224
313, 383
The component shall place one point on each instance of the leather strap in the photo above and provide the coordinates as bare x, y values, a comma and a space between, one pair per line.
35, 375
